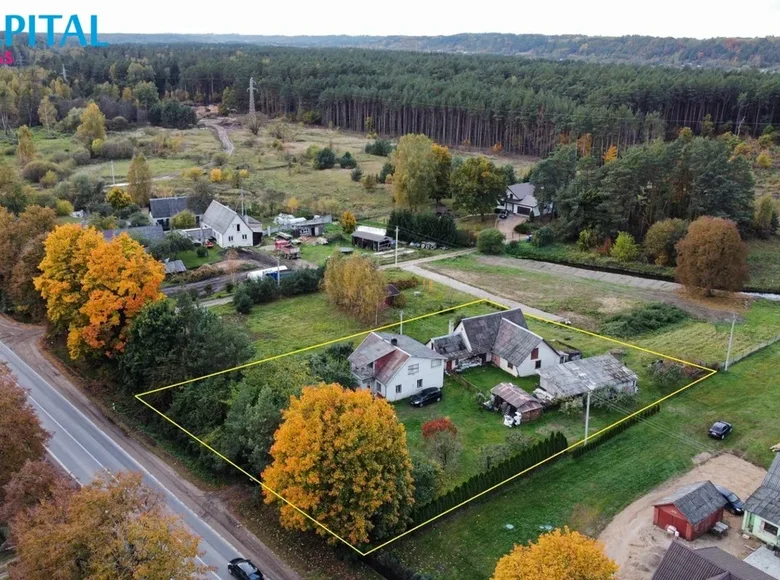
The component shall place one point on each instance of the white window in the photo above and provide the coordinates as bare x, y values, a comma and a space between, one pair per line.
398, 389
419, 383
414, 369
435, 363
230, 238
243, 236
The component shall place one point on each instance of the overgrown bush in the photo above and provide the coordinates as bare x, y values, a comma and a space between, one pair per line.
523, 228
63, 208
219, 159
543, 237
667, 373
387, 170
380, 147
117, 149
81, 156
118, 123
35, 170
625, 248
201, 252
242, 301
172, 114
304, 281
50, 179
587, 240
325, 159
346, 161
356, 174
423, 227
643, 319
490, 241
406, 283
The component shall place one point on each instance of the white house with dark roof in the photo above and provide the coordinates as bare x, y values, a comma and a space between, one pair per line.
762, 509
395, 366
162, 209
501, 338
229, 229
519, 199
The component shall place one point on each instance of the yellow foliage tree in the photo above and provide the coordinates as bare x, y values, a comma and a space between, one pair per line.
443, 169
611, 154
63, 268
414, 179
193, 173
93, 125
95, 288
348, 222
560, 554
47, 113
139, 176
118, 198
25, 150
110, 528
355, 285
216, 175
292, 205
764, 160
121, 278
341, 457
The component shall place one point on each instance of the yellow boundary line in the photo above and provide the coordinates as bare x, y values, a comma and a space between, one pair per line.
140, 396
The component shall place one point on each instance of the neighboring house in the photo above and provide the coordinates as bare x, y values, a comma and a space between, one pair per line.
762, 509
683, 563
514, 401
148, 233
162, 209
311, 228
578, 377
693, 510
501, 338
519, 199
174, 267
395, 366
371, 241
229, 229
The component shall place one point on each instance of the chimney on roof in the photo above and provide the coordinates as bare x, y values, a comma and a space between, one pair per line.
394, 341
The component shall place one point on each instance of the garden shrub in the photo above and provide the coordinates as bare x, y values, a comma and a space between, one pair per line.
523, 228
406, 283
356, 174
219, 159
587, 240
80, 156
625, 248
242, 301
63, 208
380, 147
667, 373
490, 241
117, 149
544, 236
50, 179
201, 252
346, 161
118, 123
325, 159
644, 319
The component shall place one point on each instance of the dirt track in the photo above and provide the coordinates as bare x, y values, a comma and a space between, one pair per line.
637, 545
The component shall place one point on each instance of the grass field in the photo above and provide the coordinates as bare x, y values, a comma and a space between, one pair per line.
192, 260
586, 493
764, 263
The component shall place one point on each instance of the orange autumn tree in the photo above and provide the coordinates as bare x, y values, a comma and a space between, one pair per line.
95, 288
341, 457
110, 528
560, 554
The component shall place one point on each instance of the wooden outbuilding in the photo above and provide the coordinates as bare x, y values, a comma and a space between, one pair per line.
693, 510
511, 399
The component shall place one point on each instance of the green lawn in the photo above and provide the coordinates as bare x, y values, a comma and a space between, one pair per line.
586, 493
764, 263
192, 260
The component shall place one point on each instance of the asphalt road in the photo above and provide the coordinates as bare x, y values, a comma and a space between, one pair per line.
84, 450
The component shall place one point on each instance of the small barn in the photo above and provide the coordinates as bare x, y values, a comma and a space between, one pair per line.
371, 241
391, 292
174, 267
579, 377
693, 510
511, 399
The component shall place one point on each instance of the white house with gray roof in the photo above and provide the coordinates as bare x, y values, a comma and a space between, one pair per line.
762, 509
501, 338
395, 366
519, 199
229, 229
162, 209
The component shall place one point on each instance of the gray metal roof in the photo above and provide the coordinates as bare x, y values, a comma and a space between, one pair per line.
517, 397
411, 346
369, 236
392, 291
393, 363
174, 267
765, 501
481, 331
167, 207
515, 343
151, 233
577, 377
519, 191
772, 477
452, 346
683, 563
219, 217
371, 349
696, 501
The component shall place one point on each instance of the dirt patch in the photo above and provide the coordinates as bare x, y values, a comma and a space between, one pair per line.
637, 545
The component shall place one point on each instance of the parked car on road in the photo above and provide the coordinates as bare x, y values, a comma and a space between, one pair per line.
244, 569
735, 505
720, 429
426, 396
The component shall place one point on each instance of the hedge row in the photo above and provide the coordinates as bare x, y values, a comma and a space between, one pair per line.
594, 442
480, 482
390, 566
428, 227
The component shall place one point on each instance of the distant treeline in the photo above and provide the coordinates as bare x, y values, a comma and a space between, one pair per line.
520, 105
718, 52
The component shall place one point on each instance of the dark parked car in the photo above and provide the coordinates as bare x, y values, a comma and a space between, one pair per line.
735, 505
426, 396
720, 429
244, 569
503, 215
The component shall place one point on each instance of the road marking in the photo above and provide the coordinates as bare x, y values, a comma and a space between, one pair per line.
22, 364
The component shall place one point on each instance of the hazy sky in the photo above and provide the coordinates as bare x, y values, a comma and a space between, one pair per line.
689, 18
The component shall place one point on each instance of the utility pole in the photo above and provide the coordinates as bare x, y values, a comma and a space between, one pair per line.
396, 245
278, 273
731, 340
252, 90
401, 330
587, 415
113, 179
